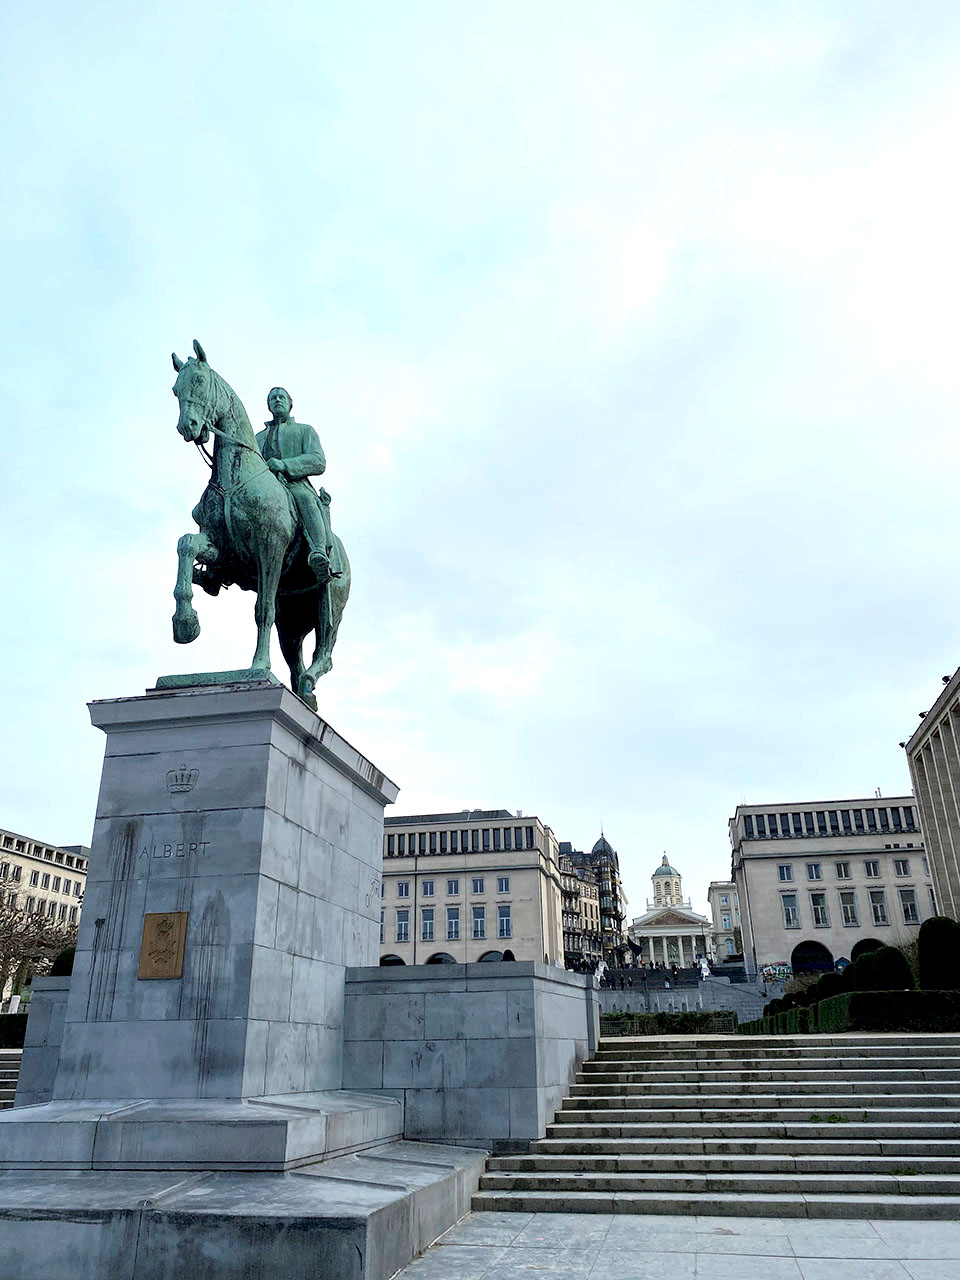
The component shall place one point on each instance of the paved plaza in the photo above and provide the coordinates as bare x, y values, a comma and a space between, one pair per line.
514, 1246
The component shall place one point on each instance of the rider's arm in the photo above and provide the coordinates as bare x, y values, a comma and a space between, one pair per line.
311, 461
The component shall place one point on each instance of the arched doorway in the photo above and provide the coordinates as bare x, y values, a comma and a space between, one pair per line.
386, 961
864, 945
811, 957
441, 957
508, 955
490, 956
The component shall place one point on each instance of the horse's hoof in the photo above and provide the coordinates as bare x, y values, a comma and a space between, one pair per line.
305, 691
186, 629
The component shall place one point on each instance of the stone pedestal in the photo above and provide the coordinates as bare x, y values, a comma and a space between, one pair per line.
234, 874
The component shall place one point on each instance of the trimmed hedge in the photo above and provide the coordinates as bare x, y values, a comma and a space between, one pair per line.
938, 947
866, 1011
13, 1028
664, 1023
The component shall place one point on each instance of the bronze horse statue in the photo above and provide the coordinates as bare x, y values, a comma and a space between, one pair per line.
250, 535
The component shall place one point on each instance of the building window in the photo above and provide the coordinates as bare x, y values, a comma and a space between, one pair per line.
895, 815
884, 820
845, 819
843, 870
926, 867
518, 837
872, 869
908, 905
848, 907
901, 866
34, 879
4, 870
486, 839
51, 908
791, 916
453, 842
66, 886
453, 924
31, 905
878, 906
503, 921
821, 822
443, 842
422, 841
797, 824
808, 824
908, 820
813, 871
464, 841
724, 900
529, 834
403, 924
818, 905
496, 839
426, 888
478, 884
56, 884
45, 881
479, 922
748, 826
508, 837
391, 846
73, 917
784, 824
77, 889
872, 820
858, 820
402, 845
725, 922
933, 900
474, 842
62, 911
403, 888
785, 871
426, 924
433, 842
453, 888
382, 914
761, 827
503, 884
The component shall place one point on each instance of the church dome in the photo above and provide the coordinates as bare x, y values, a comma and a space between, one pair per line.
665, 869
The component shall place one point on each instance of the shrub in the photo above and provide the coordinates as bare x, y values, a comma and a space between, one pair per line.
890, 971
862, 972
62, 966
830, 984
13, 1028
939, 954
890, 1011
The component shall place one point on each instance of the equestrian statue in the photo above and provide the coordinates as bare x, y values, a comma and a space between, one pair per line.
262, 524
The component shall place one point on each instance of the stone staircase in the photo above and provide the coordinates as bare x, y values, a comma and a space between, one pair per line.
843, 1126
9, 1070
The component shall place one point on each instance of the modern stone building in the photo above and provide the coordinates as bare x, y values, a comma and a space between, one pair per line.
602, 865
669, 932
482, 884
582, 932
725, 910
933, 754
44, 878
815, 878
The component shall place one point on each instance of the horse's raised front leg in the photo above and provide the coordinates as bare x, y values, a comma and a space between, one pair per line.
190, 548
265, 610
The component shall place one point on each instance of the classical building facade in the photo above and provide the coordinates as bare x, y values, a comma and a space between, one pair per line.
669, 932
582, 931
725, 910
482, 884
933, 754
44, 878
815, 878
602, 866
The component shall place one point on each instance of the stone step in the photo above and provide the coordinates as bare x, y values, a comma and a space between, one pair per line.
750, 1183
847, 1053
814, 1070
902, 1131
761, 1088
687, 1163
670, 1109
745, 1204
792, 1146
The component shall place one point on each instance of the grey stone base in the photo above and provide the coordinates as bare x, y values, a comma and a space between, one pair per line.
358, 1217
199, 679
264, 1134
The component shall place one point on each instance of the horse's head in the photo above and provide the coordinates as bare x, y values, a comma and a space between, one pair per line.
197, 389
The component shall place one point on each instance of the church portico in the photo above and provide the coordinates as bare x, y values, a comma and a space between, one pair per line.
670, 932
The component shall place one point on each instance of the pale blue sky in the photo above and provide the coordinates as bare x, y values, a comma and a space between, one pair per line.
629, 331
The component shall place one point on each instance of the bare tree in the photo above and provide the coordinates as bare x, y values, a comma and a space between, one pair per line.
29, 942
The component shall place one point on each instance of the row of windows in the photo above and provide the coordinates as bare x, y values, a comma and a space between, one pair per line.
871, 869
49, 855
482, 840
56, 884
453, 887
428, 923
45, 907
849, 908
762, 826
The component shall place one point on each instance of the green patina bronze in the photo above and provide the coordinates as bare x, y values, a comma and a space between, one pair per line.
263, 527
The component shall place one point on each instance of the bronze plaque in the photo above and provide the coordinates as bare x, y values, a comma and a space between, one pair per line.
161, 951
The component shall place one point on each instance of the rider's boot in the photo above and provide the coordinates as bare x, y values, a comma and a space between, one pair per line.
319, 562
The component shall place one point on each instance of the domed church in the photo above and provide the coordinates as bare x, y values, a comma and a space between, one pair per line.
670, 932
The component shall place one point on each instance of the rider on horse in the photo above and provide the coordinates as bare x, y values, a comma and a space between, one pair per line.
292, 451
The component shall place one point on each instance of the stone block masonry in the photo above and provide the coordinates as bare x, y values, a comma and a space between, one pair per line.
480, 1054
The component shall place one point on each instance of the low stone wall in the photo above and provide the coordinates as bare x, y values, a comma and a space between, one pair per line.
481, 1054
709, 994
41, 1046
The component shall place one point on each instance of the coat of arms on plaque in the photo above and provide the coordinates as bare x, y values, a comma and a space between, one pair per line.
164, 938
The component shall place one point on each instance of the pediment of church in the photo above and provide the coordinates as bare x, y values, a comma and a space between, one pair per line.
671, 918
